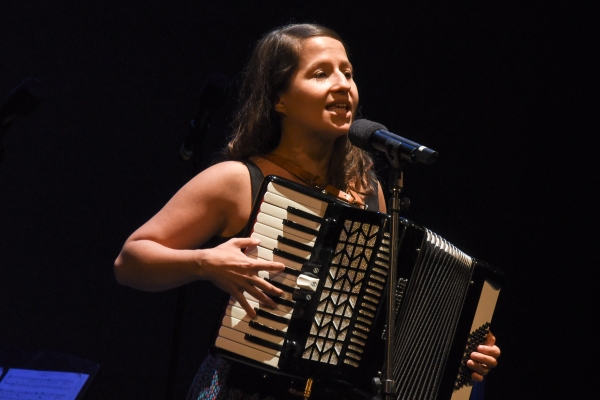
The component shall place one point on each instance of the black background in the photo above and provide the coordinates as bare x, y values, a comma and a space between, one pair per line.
502, 90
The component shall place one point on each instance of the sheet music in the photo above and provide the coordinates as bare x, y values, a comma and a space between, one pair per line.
26, 384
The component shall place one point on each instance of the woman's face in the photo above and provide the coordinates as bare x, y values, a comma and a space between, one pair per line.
322, 96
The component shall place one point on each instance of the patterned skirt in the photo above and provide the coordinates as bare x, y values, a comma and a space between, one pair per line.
212, 383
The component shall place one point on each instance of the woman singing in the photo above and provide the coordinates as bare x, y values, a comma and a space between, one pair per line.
297, 101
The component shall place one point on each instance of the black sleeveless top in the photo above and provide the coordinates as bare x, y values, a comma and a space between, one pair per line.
256, 178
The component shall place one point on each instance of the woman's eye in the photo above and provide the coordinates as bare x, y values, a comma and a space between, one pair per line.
348, 74
320, 75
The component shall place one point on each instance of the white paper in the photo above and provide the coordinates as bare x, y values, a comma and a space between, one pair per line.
26, 384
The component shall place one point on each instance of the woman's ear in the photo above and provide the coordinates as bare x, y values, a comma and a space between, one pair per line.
279, 106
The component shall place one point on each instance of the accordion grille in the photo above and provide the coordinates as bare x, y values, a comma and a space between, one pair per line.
431, 308
348, 302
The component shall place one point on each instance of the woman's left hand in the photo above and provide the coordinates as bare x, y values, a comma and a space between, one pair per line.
484, 359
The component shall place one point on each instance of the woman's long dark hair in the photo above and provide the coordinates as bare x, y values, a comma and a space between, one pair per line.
257, 126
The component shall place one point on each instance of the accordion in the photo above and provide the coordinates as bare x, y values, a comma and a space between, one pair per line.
329, 325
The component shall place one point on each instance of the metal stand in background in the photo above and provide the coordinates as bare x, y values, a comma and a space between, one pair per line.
196, 136
199, 147
194, 154
198, 165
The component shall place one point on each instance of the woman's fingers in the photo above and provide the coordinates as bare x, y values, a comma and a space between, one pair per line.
486, 355
258, 294
484, 359
257, 265
479, 370
254, 264
239, 296
261, 297
270, 266
266, 287
242, 243
240, 273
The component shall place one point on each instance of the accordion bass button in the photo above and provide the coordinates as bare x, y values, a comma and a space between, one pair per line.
301, 296
375, 385
291, 349
307, 282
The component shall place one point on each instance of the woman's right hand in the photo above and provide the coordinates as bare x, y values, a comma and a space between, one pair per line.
231, 270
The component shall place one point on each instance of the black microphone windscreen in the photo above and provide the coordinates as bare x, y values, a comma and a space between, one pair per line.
359, 133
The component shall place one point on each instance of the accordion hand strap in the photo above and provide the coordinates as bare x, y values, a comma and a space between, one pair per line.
315, 180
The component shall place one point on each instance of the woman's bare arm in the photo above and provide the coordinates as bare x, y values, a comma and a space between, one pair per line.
162, 253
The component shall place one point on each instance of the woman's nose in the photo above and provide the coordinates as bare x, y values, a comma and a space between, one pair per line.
341, 82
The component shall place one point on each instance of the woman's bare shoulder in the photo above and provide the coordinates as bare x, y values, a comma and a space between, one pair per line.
214, 202
223, 191
221, 178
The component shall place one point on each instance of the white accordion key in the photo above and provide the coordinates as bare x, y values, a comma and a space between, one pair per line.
284, 230
281, 277
306, 282
272, 244
265, 242
243, 326
240, 314
274, 233
281, 310
266, 254
281, 213
291, 198
240, 337
245, 350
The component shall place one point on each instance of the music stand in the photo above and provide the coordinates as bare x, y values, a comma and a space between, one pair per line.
32, 365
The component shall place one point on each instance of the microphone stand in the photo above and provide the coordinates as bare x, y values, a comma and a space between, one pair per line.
395, 206
388, 385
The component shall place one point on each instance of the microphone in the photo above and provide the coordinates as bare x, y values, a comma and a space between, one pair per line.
23, 100
372, 137
212, 95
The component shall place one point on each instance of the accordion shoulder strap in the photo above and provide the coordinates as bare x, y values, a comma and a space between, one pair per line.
256, 178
